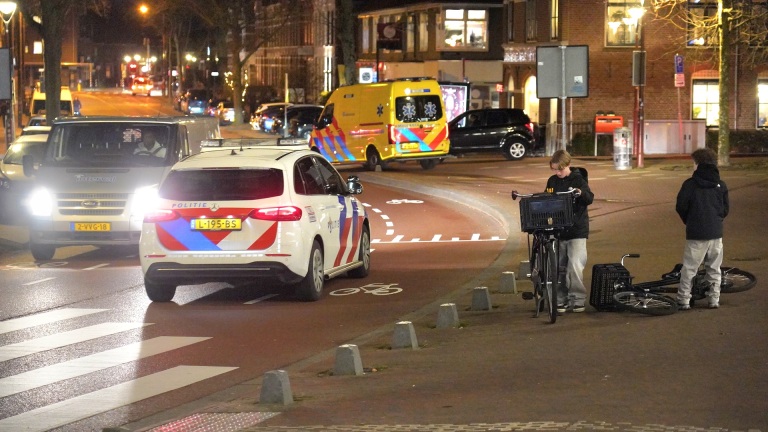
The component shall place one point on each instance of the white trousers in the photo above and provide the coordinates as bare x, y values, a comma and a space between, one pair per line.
573, 259
698, 252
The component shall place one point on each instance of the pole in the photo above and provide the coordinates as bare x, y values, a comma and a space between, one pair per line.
10, 124
563, 97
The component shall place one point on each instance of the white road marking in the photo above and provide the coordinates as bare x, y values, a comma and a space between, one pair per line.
88, 405
385, 217
390, 232
59, 340
38, 281
96, 266
415, 240
397, 239
262, 298
45, 318
389, 224
436, 237
475, 237
93, 363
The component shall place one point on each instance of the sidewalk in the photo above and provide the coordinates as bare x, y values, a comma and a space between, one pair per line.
502, 369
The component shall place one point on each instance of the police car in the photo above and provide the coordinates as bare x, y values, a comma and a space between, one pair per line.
248, 213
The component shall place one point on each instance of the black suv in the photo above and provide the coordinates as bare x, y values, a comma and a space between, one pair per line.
508, 130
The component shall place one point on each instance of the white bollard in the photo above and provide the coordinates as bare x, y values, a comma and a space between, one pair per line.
447, 316
404, 336
524, 270
508, 283
276, 388
348, 361
481, 299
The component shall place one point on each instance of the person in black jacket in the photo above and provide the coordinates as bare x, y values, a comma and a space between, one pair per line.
702, 204
571, 293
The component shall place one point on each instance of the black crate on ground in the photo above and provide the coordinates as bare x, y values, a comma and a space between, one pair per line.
546, 211
604, 277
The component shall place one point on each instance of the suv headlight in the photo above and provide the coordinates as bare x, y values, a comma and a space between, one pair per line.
40, 202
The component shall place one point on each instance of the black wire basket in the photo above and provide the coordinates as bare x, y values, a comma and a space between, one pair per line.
546, 211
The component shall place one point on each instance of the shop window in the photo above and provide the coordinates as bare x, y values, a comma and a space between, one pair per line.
706, 101
622, 23
423, 32
465, 29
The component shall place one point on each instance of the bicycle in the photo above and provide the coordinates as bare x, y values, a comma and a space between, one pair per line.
543, 216
612, 288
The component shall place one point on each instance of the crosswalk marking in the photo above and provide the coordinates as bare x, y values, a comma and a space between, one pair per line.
72, 410
46, 343
44, 318
92, 363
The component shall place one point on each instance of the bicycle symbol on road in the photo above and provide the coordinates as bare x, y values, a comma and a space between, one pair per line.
405, 201
374, 288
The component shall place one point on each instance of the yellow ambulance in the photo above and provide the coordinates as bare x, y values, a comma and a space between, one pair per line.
375, 124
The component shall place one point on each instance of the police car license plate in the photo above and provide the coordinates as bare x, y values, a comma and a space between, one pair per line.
217, 224
91, 226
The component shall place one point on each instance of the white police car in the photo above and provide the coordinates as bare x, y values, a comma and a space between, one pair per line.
244, 214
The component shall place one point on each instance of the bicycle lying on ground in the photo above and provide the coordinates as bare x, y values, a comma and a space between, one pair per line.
612, 288
543, 216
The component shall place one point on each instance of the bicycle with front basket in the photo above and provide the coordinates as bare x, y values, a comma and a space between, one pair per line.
543, 216
613, 289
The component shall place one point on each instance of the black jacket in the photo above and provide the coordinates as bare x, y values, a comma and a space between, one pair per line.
702, 204
580, 228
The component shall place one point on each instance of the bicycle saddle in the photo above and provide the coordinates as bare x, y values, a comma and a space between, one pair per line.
674, 274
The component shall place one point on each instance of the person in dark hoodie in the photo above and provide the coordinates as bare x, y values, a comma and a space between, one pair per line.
572, 294
702, 204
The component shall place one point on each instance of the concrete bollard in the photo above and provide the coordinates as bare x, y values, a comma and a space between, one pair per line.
447, 316
508, 283
481, 299
276, 388
524, 270
348, 361
404, 336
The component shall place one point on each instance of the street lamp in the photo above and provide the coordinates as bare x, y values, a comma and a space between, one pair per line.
7, 9
638, 80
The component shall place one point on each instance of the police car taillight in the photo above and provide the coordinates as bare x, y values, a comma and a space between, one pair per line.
155, 216
277, 214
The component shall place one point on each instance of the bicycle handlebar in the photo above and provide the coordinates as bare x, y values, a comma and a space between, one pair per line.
571, 191
630, 255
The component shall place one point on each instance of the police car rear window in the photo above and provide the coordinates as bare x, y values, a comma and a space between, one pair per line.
418, 108
222, 185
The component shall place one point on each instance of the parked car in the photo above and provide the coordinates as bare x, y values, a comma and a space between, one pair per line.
301, 120
37, 121
258, 213
196, 102
506, 130
14, 185
254, 96
36, 130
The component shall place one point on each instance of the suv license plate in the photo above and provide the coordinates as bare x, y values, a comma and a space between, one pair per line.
91, 226
216, 224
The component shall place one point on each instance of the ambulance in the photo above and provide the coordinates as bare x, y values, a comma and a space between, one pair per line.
375, 124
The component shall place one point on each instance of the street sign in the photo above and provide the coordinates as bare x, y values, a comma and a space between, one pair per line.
678, 64
562, 71
679, 80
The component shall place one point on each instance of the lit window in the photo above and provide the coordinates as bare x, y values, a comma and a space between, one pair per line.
706, 101
423, 32
366, 35
762, 103
702, 26
554, 12
465, 29
622, 23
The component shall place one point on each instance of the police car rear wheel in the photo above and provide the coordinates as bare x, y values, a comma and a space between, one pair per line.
159, 292
42, 252
364, 256
311, 287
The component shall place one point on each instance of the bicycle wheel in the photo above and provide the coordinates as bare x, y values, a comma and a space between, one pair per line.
644, 303
736, 280
550, 280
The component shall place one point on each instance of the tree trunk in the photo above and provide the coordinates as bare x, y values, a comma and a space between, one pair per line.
724, 8
52, 34
346, 32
